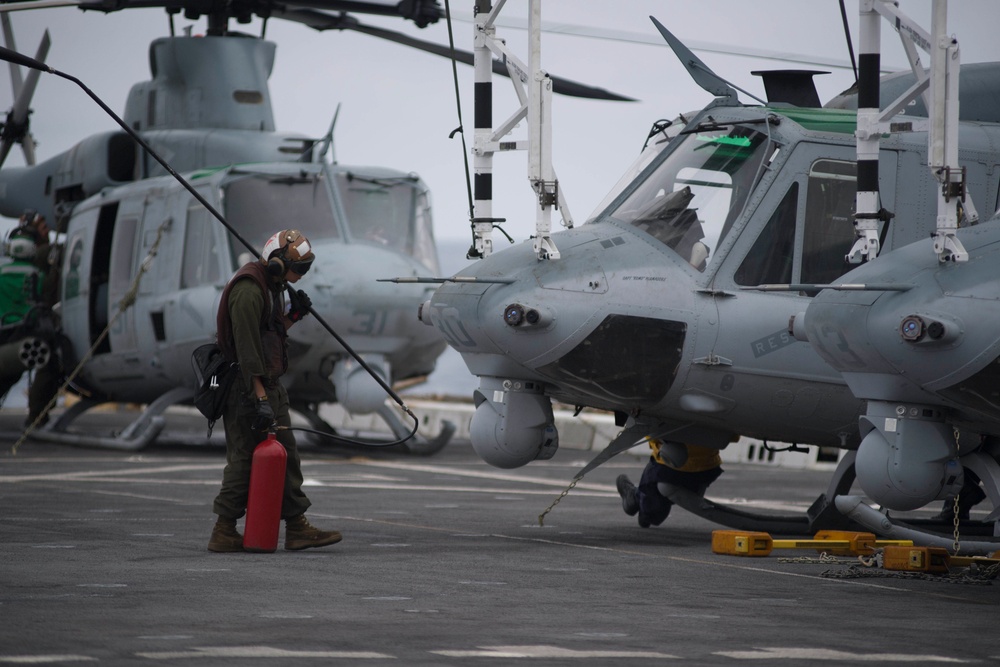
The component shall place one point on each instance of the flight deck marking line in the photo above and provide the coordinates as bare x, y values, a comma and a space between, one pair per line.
259, 652
595, 490
145, 497
831, 654
83, 475
605, 489
143, 480
42, 659
593, 547
734, 566
455, 489
502, 477
549, 652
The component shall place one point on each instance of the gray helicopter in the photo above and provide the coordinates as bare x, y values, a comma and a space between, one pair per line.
208, 108
717, 293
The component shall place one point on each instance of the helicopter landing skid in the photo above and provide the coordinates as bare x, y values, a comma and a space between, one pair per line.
835, 510
732, 517
417, 445
880, 524
137, 435
828, 513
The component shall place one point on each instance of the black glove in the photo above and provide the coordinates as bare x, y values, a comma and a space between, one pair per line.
299, 304
263, 415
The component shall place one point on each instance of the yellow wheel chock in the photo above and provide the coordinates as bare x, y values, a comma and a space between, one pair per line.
900, 555
833, 542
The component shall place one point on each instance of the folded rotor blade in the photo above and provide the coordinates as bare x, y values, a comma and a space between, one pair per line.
15, 129
21, 109
322, 21
8, 41
559, 85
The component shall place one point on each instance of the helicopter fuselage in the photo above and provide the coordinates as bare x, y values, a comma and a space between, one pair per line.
648, 312
156, 225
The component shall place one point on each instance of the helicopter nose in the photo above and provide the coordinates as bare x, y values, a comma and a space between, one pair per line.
907, 345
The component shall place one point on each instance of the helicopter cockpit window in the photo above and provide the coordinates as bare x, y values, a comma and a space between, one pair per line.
259, 205
770, 259
389, 212
829, 229
659, 139
691, 199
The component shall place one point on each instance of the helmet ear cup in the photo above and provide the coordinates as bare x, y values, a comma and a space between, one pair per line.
19, 244
276, 267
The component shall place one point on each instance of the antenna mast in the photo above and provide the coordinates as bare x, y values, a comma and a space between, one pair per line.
940, 94
536, 107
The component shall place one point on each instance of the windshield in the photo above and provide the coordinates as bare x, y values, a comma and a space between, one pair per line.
390, 212
259, 205
659, 138
691, 200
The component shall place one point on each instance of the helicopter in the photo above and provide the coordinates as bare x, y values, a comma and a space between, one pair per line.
112, 203
715, 292
208, 107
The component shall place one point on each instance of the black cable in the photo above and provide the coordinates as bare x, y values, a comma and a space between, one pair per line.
458, 103
847, 33
348, 441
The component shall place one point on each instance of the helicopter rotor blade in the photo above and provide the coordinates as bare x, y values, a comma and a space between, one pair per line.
327, 141
699, 71
322, 21
317, 15
8, 40
16, 83
15, 127
559, 85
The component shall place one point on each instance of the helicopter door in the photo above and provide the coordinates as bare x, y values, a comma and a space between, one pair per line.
188, 308
122, 270
811, 230
79, 301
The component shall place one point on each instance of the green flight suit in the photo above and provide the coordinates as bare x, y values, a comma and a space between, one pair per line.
246, 309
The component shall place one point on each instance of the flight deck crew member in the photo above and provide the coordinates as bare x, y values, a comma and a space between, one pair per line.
252, 322
28, 328
699, 468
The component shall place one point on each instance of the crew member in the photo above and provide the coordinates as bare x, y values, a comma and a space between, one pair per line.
28, 328
688, 466
970, 495
252, 322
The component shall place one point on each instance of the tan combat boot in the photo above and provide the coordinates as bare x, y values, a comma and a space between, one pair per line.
225, 538
300, 534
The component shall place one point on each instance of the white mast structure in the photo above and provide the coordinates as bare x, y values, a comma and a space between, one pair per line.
940, 95
535, 107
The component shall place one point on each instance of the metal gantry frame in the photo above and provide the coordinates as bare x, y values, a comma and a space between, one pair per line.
940, 95
533, 88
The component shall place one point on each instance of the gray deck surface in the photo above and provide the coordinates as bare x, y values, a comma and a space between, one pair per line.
443, 562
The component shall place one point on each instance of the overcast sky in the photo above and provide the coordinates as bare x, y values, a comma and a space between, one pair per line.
398, 104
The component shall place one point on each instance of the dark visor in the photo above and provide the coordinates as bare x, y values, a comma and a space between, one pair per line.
301, 267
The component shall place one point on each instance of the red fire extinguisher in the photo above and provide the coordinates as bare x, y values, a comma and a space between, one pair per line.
267, 485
